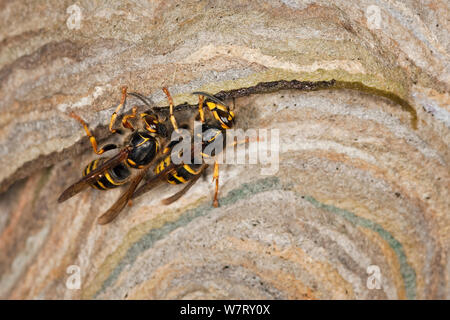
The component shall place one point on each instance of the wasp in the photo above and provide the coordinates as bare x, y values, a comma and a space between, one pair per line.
141, 149
189, 173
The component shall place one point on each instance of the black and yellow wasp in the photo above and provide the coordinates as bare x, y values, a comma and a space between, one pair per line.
146, 145
141, 149
189, 173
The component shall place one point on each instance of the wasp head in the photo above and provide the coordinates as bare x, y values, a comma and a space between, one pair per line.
153, 125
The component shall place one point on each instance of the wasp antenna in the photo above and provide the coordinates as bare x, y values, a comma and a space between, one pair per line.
142, 98
210, 96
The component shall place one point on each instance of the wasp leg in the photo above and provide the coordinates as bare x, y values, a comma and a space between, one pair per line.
114, 115
216, 178
201, 99
172, 117
126, 123
91, 137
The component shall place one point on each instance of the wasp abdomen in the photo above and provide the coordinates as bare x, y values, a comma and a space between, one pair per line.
111, 178
182, 174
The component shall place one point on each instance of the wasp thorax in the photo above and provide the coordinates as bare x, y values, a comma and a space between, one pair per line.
144, 149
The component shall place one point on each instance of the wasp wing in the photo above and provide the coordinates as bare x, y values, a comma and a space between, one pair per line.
180, 193
89, 178
117, 207
154, 180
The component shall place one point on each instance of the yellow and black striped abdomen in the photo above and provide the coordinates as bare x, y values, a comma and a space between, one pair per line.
221, 114
182, 174
111, 178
